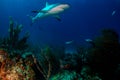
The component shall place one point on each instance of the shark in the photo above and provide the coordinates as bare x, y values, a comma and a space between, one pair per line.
50, 10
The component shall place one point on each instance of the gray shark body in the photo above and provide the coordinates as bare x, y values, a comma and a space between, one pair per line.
50, 10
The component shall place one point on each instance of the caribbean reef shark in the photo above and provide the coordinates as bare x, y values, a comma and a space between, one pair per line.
50, 10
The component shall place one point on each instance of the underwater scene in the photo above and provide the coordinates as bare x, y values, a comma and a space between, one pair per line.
59, 39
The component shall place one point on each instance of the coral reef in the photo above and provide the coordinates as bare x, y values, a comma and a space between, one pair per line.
48, 64
66, 75
20, 61
72, 75
12, 65
13, 43
98, 62
11, 69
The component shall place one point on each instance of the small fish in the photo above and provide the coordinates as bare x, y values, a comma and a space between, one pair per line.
88, 40
113, 13
26, 54
69, 42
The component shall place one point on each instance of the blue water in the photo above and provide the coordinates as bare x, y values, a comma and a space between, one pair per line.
84, 19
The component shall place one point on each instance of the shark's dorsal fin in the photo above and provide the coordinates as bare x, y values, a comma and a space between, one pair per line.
47, 4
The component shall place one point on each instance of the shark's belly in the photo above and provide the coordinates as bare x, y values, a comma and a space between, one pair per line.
55, 11
39, 15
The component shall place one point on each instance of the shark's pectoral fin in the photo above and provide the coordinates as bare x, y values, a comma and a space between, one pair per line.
35, 11
41, 11
57, 17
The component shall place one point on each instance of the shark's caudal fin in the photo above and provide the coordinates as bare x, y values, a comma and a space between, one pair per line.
32, 19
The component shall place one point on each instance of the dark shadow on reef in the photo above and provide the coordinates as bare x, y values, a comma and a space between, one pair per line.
22, 61
104, 57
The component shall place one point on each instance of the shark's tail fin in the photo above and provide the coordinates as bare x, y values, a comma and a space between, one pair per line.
32, 19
